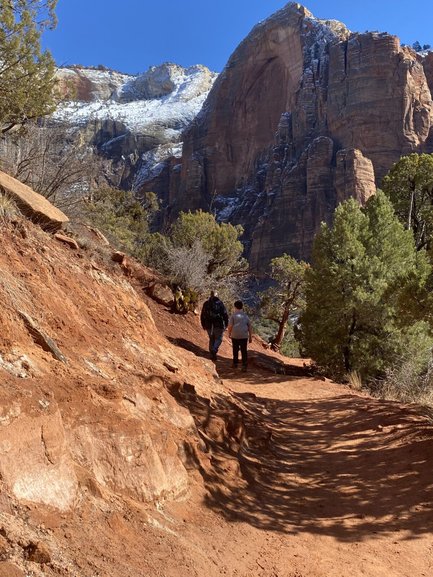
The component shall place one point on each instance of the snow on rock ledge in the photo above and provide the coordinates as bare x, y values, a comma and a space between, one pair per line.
167, 96
132, 119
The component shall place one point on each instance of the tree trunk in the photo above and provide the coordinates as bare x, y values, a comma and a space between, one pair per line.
277, 340
347, 350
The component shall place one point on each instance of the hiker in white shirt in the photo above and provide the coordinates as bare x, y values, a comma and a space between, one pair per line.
240, 331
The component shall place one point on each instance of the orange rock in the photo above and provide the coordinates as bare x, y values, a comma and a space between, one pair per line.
67, 240
32, 204
10, 570
270, 149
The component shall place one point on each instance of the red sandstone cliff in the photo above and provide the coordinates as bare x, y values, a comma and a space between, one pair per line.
304, 115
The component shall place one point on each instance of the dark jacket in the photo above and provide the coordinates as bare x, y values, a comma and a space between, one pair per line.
214, 314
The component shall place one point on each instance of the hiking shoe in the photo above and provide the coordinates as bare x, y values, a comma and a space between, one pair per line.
213, 357
244, 369
235, 365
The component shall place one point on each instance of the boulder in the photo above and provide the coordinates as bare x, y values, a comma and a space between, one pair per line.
32, 204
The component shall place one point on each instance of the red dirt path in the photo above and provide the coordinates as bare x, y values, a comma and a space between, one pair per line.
327, 482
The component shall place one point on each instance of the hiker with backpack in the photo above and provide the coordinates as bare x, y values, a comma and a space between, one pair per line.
240, 331
214, 319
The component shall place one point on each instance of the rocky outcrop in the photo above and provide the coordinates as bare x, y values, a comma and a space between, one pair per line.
379, 100
32, 204
354, 176
95, 446
136, 122
99, 418
304, 115
89, 84
427, 63
35, 461
104, 430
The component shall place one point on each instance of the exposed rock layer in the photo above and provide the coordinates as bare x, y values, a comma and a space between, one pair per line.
101, 431
304, 115
135, 121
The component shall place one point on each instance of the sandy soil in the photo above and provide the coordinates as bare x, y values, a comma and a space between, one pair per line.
325, 481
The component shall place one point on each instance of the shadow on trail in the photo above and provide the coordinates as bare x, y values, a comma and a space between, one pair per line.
346, 467
189, 346
257, 360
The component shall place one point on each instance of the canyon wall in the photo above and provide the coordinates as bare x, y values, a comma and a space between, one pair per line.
304, 115
134, 122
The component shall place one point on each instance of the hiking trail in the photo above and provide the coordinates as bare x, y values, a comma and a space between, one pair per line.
330, 482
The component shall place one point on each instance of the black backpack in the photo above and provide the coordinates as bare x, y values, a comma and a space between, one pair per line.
214, 313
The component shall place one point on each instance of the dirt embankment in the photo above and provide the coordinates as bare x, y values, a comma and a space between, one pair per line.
129, 455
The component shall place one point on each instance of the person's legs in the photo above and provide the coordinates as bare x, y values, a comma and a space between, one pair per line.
217, 339
235, 345
243, 343
211, 335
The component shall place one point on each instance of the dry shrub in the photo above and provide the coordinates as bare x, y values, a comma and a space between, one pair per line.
14, 291
405, 383
51, 160
8, 208
187, 267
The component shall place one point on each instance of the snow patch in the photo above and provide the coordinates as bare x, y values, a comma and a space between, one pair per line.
154, 162
321, 33
225, 206
130, 104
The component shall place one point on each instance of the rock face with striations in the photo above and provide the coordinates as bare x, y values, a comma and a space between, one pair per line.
304, 115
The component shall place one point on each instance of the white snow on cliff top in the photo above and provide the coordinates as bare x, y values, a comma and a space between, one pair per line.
136, 101
95, 74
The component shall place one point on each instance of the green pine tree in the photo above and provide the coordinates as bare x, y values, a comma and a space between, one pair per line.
409, 185
26, 73
360, 266
219, 240
122, 218
285, 296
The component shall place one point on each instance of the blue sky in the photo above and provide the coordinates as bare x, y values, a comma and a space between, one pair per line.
131, 35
